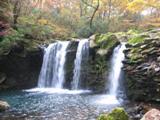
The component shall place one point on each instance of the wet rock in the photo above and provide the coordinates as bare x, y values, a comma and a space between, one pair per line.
142, 70
158, 59
92, 41
101, 48
116, 114
20, 68
2, 77
4, 106
153, 114
137, 111
69, 67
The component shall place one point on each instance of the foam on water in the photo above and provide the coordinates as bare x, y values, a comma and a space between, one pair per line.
107, 100
57, 91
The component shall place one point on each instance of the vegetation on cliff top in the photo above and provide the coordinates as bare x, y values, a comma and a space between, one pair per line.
106, 41
42, 19
38, 21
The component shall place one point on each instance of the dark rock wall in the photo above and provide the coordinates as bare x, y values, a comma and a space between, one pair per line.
142, 68
21, 72
101, 48
69, 66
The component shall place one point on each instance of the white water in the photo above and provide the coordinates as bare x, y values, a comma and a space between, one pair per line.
114, 76
52, 71
57, 91
82, 53
116, 66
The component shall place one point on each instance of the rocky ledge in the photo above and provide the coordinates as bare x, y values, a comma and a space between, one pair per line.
20, 65
142, 68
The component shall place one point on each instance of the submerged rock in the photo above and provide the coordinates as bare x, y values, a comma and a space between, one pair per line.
116, 114
4, 106
153, 114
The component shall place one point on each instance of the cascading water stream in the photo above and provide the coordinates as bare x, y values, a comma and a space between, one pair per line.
114, 76
52, 71
116, 66
82, 54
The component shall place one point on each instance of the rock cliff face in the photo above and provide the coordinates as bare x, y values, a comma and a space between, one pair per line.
101, 48
21, 64
142, 68
20, 67
69, 66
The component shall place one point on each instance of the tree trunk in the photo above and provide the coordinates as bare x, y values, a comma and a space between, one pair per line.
94, 13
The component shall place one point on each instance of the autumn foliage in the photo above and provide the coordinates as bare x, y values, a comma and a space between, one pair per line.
46, 19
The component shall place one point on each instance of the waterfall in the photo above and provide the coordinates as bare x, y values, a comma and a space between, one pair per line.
81, 55
52, 71
114, 77
116, 66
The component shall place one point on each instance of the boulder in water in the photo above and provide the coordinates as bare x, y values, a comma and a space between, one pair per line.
153, 114
116, 114
4, 106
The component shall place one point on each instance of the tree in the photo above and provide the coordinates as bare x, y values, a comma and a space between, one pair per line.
95, 10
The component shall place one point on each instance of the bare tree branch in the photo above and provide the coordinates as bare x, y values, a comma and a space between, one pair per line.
94, 13
95, 10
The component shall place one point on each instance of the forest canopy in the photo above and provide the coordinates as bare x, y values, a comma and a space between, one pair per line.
46, 19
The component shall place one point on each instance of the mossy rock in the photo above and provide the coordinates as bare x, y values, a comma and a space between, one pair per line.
106, 41
24, 46
116, 114
139, 38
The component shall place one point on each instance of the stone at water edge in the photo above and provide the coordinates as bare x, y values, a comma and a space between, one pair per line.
153, 114
116, 114
4, 106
